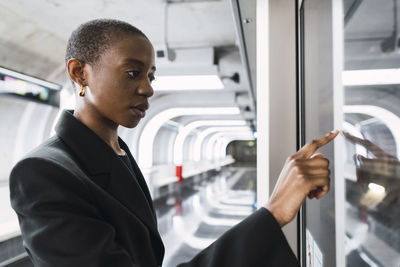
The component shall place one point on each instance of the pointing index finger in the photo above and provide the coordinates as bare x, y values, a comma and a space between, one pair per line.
309, 149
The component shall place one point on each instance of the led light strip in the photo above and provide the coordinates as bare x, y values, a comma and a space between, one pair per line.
371, 77
150, 130
187, 129
227, 139
187, 82
202, 136
212, 146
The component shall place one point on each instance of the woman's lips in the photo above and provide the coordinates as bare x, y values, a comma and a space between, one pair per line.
140, 109
139, 112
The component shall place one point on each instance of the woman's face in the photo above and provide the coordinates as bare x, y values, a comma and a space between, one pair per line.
120, 83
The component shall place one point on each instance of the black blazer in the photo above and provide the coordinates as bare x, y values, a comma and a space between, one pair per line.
79, 205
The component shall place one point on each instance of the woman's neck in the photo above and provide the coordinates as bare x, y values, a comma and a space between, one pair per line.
101, 126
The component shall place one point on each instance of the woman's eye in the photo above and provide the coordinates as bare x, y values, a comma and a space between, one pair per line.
152, 78
133, 73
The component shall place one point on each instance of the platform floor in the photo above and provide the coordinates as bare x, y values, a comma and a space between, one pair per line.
194, 217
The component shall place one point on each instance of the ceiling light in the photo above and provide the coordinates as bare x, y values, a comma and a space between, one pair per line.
371, 77
378, 189
187, 82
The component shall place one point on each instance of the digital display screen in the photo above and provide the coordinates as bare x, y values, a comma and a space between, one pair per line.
30, 88
23, 88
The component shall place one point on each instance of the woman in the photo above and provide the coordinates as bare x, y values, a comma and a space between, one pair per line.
80, 197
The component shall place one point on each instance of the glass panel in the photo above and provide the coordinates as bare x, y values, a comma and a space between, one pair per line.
372, 133
317, 80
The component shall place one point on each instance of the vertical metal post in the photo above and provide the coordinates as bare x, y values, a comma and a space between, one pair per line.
263, 101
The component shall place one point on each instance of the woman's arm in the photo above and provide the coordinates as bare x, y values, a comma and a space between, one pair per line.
59, 222
256, 241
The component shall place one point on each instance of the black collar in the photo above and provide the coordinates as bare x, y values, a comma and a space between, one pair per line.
95, 154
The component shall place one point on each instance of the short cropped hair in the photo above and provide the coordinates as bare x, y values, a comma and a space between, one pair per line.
91, 39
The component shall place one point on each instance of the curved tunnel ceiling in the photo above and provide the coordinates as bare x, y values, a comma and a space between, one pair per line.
34, 41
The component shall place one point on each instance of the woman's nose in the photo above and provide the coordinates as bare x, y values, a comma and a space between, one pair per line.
146, 89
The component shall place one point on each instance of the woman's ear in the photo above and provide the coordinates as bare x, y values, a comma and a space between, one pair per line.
75, 70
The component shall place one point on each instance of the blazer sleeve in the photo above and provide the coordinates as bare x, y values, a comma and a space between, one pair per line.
59, 222
256, 241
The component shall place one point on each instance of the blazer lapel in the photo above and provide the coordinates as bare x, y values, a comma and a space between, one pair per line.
139, 176
105, 169
124, 187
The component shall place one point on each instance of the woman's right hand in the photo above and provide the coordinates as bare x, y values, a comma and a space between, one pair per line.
304, 174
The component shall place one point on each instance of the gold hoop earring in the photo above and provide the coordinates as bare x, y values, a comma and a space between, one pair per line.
82, 91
